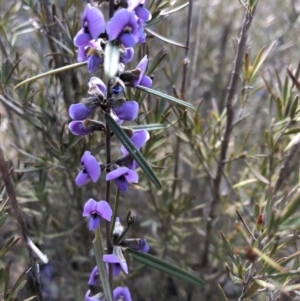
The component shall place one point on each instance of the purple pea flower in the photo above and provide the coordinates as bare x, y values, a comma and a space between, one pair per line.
117, 260
80, 111
124, 27
143, 79
121, 293
96, 211
143, 13
90, 169
127, 111
85, 127
135, 244
78, 128
122, 175
94, 277
126, 55
138, 138
93, 24
97, 87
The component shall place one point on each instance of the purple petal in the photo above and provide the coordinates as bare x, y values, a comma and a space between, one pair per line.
99, 83
122, 184
122, 293
132, 176
143, 13
116, 173
81, 39
143, 246
104, 210
94, 61
94, 222
79, 111
95, 19
94, 276
91, 165
82, 178
77, 128
127, 39
81, 55
127, 56
89, 207
111, 258
138, 139
128, 111
142, 66
146, 81
132, 4
117, 23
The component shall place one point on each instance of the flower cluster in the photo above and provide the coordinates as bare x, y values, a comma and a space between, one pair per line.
124, 30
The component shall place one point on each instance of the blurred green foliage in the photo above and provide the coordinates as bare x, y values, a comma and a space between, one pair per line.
253, 242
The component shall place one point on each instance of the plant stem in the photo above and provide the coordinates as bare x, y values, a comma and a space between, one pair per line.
238, 63
20, 218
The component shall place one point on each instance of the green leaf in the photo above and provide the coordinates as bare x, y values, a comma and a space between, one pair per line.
229, 249
9, 244
3, 219
148, 127
260, 58
134, 152
165, 267
51, 72
98, 249
18, 286
166, 96
165, 39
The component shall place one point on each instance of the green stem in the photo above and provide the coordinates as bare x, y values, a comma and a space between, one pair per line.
115, 212
98, 249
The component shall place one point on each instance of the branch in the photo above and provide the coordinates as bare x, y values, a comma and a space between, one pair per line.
25, 233
287, 296
238, 64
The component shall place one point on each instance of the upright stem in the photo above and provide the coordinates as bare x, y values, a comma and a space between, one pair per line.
238, 63
107, 187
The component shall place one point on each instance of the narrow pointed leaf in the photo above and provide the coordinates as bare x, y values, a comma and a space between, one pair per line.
134, 152
171, 11
168, 97
51, 72
148, 127
268, 260
165, 39
166, 267
222, 293
98, 249
229, 249
260, 58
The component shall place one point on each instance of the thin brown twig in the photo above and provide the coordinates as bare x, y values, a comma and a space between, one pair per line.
238, 63
20, 218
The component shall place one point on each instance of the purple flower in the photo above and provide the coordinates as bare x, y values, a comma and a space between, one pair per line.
94, 277
96, 211
97, 86
90, 169
78, 128
93, 24
117, 260
136, 244
123, 175
127, 111
126, 55
80, 111
121, 293
143, 79
138, 138
94, 61
97, 297
124, 27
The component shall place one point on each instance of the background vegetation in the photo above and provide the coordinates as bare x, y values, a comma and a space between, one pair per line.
240, 232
